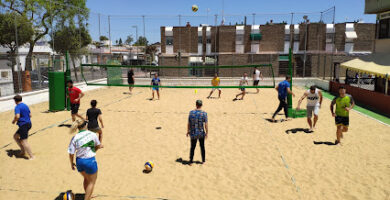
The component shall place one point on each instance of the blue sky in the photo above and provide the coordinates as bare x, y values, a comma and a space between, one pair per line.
162, 13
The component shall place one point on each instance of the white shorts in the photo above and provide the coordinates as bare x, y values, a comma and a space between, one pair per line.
213, 89
312, 109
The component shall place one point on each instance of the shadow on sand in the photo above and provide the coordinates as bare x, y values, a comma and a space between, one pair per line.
187, 162
326, 143
65, 125
295, 130
276, 121
17, 153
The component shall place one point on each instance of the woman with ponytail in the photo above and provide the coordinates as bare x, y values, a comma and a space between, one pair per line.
84, 144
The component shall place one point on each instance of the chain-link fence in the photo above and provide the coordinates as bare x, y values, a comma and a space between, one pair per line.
317, 43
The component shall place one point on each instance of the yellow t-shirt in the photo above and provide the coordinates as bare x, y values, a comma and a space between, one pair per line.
215, 81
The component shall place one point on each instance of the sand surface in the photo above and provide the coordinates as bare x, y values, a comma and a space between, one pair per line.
247, 156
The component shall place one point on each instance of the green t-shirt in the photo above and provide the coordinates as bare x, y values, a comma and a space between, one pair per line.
341, 104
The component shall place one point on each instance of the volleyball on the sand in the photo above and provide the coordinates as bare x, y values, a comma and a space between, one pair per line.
68, 196
194, 8
149, 166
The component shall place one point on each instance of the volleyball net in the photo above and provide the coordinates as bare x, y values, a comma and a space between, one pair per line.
178, 76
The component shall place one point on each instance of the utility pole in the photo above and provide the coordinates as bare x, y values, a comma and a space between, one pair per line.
109, 31
136, 35
304, 53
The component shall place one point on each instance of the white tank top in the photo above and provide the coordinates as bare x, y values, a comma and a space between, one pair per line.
313, 99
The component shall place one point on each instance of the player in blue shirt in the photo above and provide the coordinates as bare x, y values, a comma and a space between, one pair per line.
156, 83
22, 118
283, 89
197, 129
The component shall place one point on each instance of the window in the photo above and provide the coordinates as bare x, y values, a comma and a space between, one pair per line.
240, 39
384, 28
296, 37
169, 40
286, 37
200, 39
329, 37
208, 40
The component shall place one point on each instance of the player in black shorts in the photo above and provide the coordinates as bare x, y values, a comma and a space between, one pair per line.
130, 79
93, 114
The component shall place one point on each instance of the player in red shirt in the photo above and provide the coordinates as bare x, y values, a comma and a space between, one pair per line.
75, 94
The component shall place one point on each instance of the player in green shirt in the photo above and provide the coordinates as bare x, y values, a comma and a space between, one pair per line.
344, 103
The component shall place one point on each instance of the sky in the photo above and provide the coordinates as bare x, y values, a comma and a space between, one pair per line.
126, 14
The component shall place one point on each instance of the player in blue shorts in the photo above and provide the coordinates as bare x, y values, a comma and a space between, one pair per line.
156, 83
84, 144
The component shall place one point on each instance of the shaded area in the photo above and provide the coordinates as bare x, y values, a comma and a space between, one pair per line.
187, 162
17, 153
326, 143
295, 130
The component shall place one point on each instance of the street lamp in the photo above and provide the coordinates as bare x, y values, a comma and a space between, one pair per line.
136, 37
304, 52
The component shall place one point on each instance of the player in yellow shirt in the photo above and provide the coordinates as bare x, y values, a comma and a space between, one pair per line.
215, 82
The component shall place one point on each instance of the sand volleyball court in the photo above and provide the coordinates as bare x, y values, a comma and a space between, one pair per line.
247, 157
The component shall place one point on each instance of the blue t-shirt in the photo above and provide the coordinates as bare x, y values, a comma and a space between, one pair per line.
156, 81
24, 112
282, 89
196, 119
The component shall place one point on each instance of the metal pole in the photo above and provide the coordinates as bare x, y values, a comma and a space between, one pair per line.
304, 52
318, 47
143, 22
334, 43
254, 18
109, 31
215, 40
17, 57
99, 25
179, 40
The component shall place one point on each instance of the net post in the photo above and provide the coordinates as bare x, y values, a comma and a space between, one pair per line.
67, 78
289, 97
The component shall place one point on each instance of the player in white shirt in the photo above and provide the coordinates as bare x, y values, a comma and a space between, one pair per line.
84, 144
314, 101
243, 82
256, 78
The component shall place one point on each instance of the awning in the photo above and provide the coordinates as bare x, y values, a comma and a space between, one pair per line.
350, 35
377, 64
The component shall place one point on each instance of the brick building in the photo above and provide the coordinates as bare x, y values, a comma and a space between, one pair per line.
264, 44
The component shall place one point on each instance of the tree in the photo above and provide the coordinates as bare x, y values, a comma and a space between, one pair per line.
43, 14
116, 42
129, 40
72, 39
142, 41
151, 50
8, 23
120, 42
103, 38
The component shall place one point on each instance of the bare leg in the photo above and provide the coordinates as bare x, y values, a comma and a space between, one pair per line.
158, 94
219, 93
339, 133
79, 116
91, 179
257, 90
28, 149
243, 94
152, 94
309, 122
315, 121
73, 117
210, 93
17, 140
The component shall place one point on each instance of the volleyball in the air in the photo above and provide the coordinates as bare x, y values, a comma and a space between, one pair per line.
149, 166
194, 8
69, 196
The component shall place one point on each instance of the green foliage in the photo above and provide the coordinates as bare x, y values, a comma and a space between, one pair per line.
129, 40
43, 13
142, 41
8, 23
71, 38
120, 42
103, 38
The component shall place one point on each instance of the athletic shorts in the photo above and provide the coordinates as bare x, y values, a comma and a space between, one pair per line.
87, 165
343, 121
256, 82
156, 88
312, 109
213, 89
74, 108
95, 130
130, 81
23, 131
242, 89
